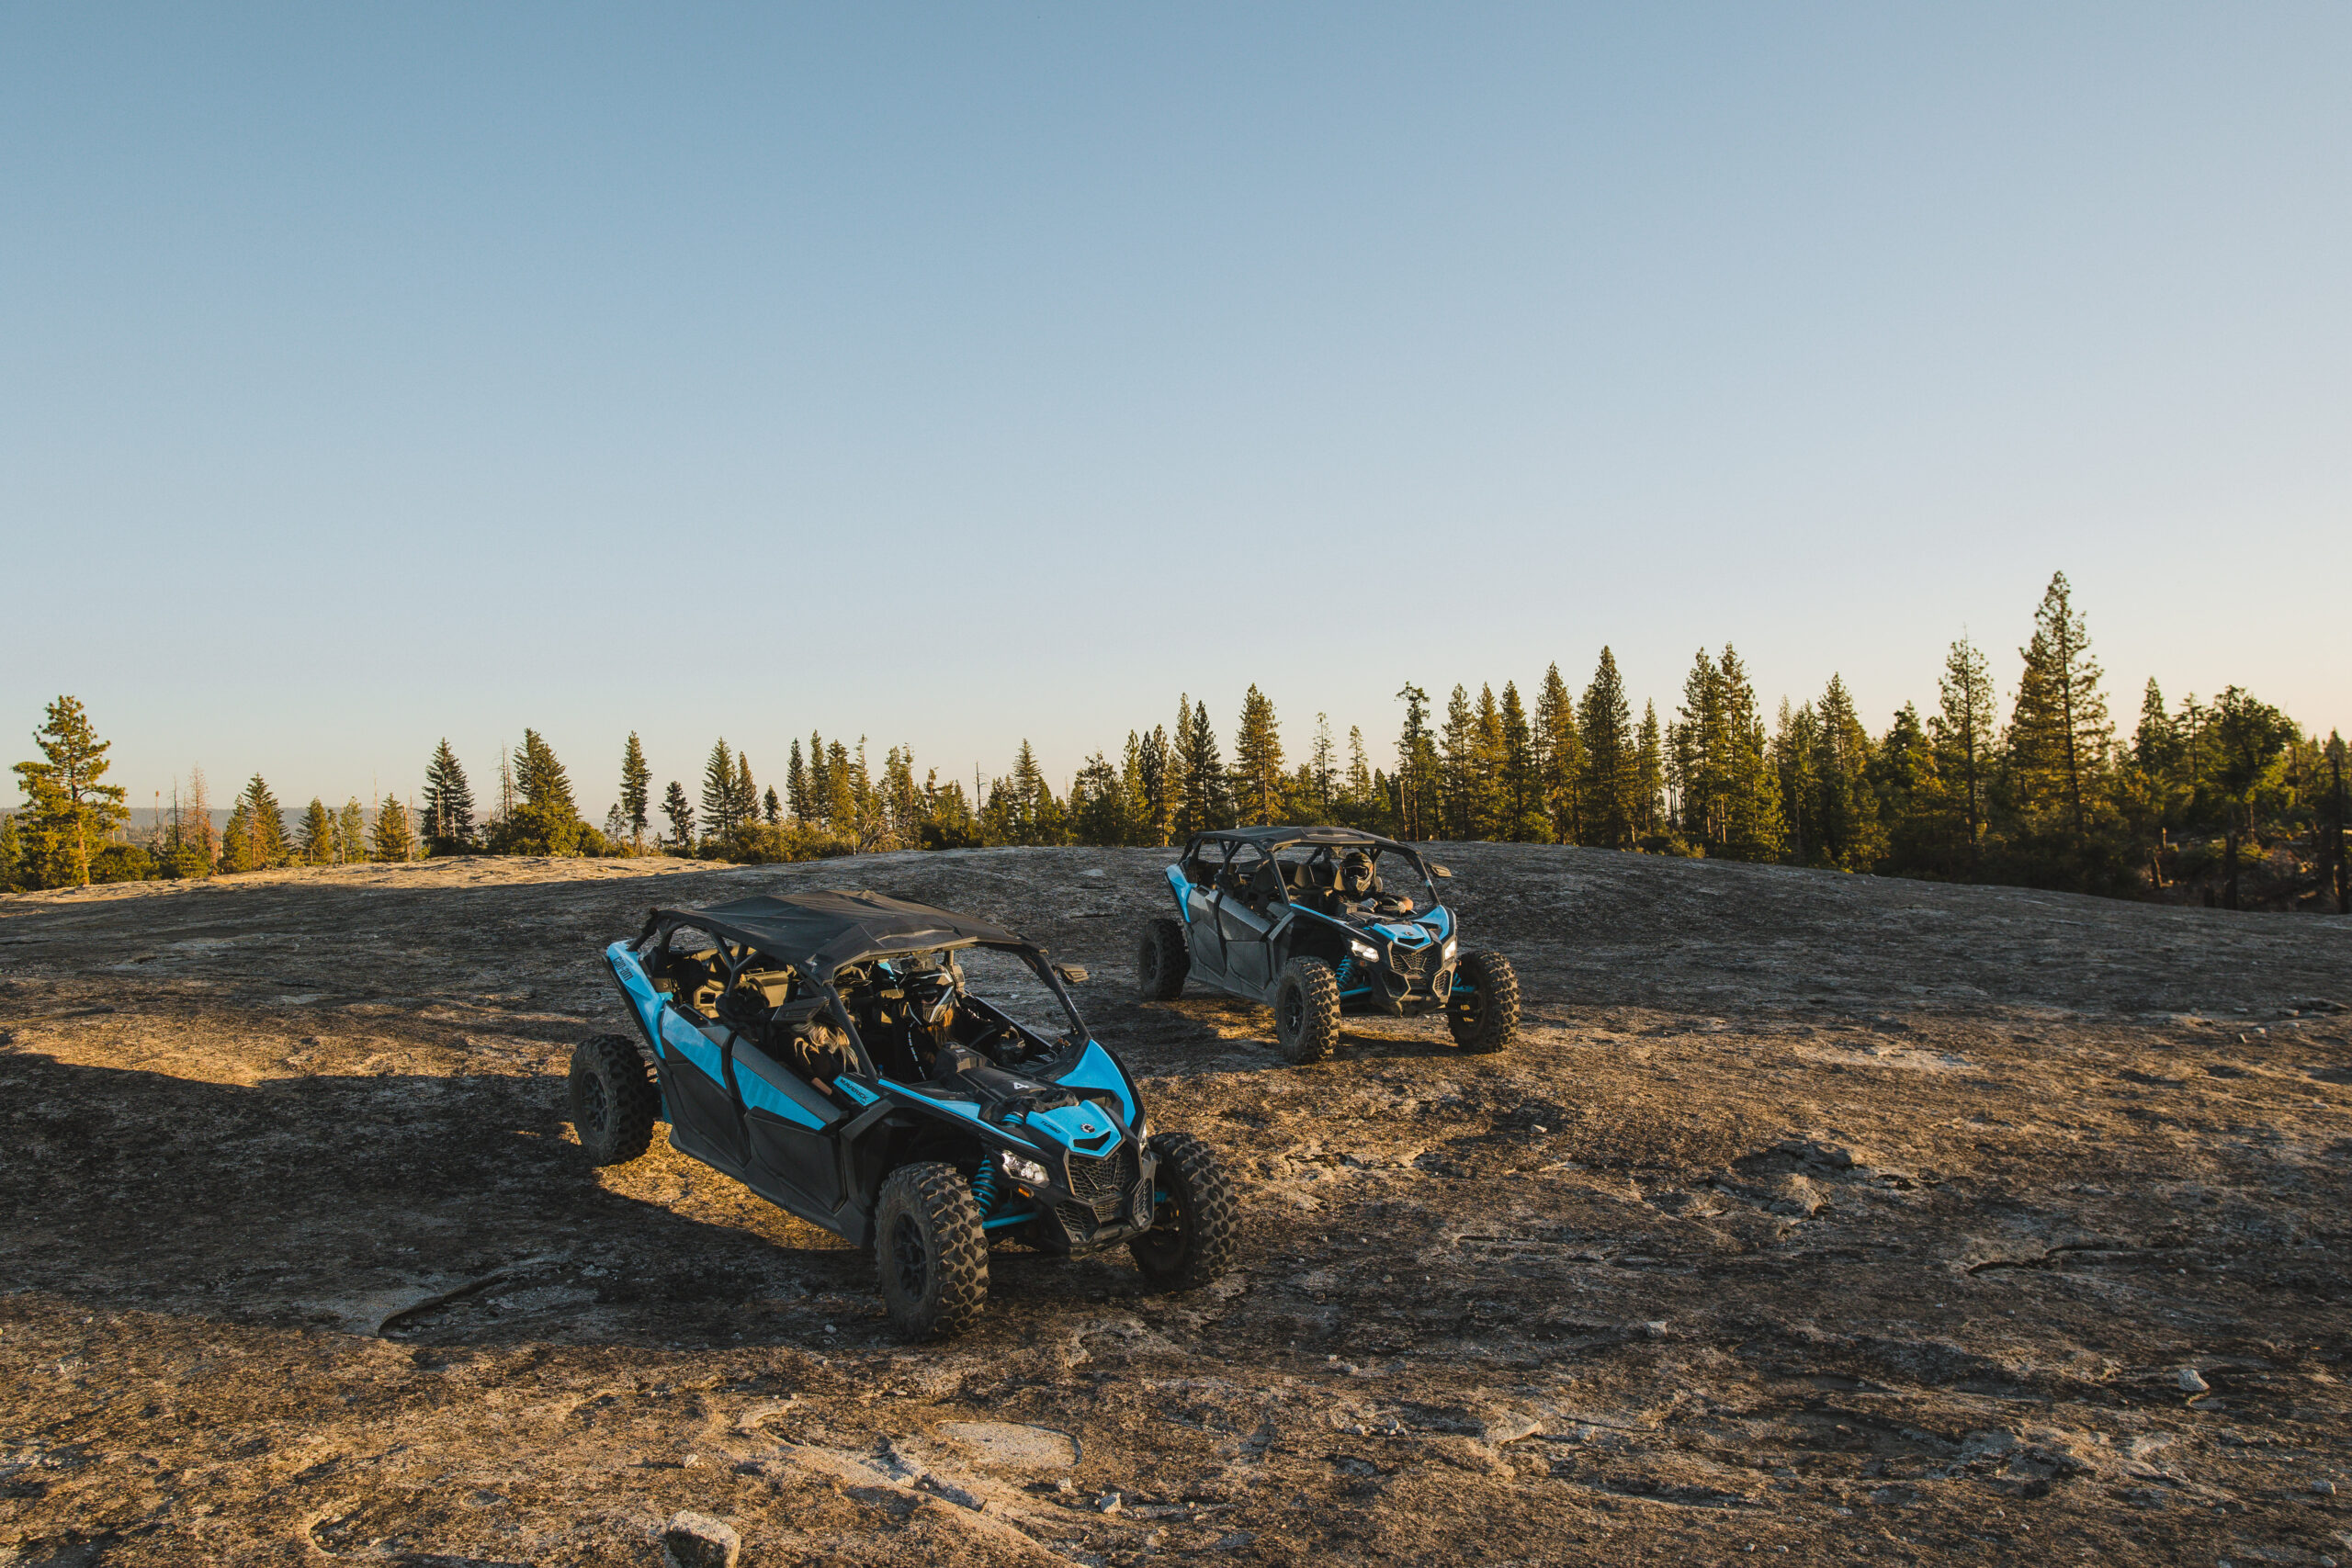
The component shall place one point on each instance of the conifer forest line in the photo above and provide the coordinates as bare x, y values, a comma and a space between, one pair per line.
2224, 802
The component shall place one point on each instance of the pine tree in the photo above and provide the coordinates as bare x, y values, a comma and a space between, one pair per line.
12, 875
1521, 781
1457, 767
68, 814
1650, 769
351, 833
2059, 733
1960, 733
1258, 761
820, 782
771, 808
1201, 767
449, 820
1323, 772
317, 840
1135, 792
545, 819
842, 790
1560, 758
636, 786
2250, 739
1612, 779
265, 826
744, 802
1902, 778
1845, 807
392, 840
718, 793
1095, 815
1795, 750
798, 798
681, 813
1419, 784
237, 838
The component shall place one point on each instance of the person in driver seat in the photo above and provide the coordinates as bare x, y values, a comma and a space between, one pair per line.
1358, 880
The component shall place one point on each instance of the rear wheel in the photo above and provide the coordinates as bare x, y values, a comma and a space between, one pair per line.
930, 1251
1195, 1229
1484, 1013
1162, 960
613, 1101
1306, 1010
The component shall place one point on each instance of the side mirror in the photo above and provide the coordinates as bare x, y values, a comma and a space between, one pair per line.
1071, 974
1440, 871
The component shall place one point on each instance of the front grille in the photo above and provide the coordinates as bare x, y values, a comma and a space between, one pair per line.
1103, 1183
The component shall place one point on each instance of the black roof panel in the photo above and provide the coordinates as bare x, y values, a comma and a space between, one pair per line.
819, 933
1272, 838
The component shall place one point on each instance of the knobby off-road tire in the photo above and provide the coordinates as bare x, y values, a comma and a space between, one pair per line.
614, 1099
1196, 1226
1162, 960
1487, 1018
930, 1251
1306, 1010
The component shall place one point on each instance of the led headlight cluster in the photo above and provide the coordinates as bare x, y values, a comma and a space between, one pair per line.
1364, 950
1449, 950
1027, 1171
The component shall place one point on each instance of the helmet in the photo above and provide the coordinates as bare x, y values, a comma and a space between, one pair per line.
1356, 874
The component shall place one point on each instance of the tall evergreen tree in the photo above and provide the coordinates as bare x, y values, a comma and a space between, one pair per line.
746, 798
1200, 765
1524, 820
1796, 753
545, 819
1156, 767
637, 787
844, 785
1650, 768
392, 839
1457, 745
718, 818
1323, 770
264, 824
1611, 778
351, 833
2059, 733
1904, 780
1258, 761
681, 813
318, 834
799, 798
1961, 732
68, 813
1560, 750
820, 782
771, 808
448, 818
237, 838
1417, 785
1846, 808
2250, 740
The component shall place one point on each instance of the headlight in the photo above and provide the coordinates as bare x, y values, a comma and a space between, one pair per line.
1027, 1171
1449, 950
1364, 950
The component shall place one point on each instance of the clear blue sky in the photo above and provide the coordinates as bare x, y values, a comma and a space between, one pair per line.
957, 374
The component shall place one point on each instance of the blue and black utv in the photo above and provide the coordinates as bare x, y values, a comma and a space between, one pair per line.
824, 1050
1318, 921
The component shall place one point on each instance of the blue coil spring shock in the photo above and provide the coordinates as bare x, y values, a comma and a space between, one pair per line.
984, 1185
1347, 966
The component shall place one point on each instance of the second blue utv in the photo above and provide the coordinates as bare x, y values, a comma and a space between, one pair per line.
826, 1050
1320, 921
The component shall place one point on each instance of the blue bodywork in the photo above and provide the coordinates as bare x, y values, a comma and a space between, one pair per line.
1090, 1128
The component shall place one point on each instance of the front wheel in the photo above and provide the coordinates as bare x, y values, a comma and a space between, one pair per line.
1162, 960
1483, 1012
930, 1251
613, 1101
1306, 1010
1194, 1221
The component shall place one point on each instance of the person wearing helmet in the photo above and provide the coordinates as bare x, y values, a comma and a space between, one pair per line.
1359, 879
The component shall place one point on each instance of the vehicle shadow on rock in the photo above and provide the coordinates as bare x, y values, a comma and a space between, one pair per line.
431, 1210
